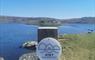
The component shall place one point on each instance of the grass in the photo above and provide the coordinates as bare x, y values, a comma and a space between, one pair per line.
78, 47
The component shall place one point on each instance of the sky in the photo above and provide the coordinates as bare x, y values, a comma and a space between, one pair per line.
62, 9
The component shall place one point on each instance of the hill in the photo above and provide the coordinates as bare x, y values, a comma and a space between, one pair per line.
35, 20
80, 48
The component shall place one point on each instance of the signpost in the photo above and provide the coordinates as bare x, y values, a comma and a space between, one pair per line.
44, 32
48, 46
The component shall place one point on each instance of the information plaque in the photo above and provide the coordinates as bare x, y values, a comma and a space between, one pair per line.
49, 49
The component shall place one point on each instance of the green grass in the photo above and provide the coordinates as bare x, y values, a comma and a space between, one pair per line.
78, 47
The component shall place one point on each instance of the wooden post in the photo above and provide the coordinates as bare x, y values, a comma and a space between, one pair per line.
44, 32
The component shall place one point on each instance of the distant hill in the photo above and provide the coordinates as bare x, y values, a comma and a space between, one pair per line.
86, 20
35, 20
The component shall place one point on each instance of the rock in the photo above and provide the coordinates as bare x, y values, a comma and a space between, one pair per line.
1, 58
29, 45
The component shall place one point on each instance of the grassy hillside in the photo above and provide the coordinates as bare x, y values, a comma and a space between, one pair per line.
34, 20
78, 47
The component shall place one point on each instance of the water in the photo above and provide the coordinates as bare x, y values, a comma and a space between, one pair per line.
76, 28
12, 36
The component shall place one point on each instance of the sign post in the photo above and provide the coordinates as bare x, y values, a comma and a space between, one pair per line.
44, 32
48, 46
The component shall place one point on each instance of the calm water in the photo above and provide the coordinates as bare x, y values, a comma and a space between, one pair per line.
13, 35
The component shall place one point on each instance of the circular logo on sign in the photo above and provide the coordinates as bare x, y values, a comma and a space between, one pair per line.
49, 49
